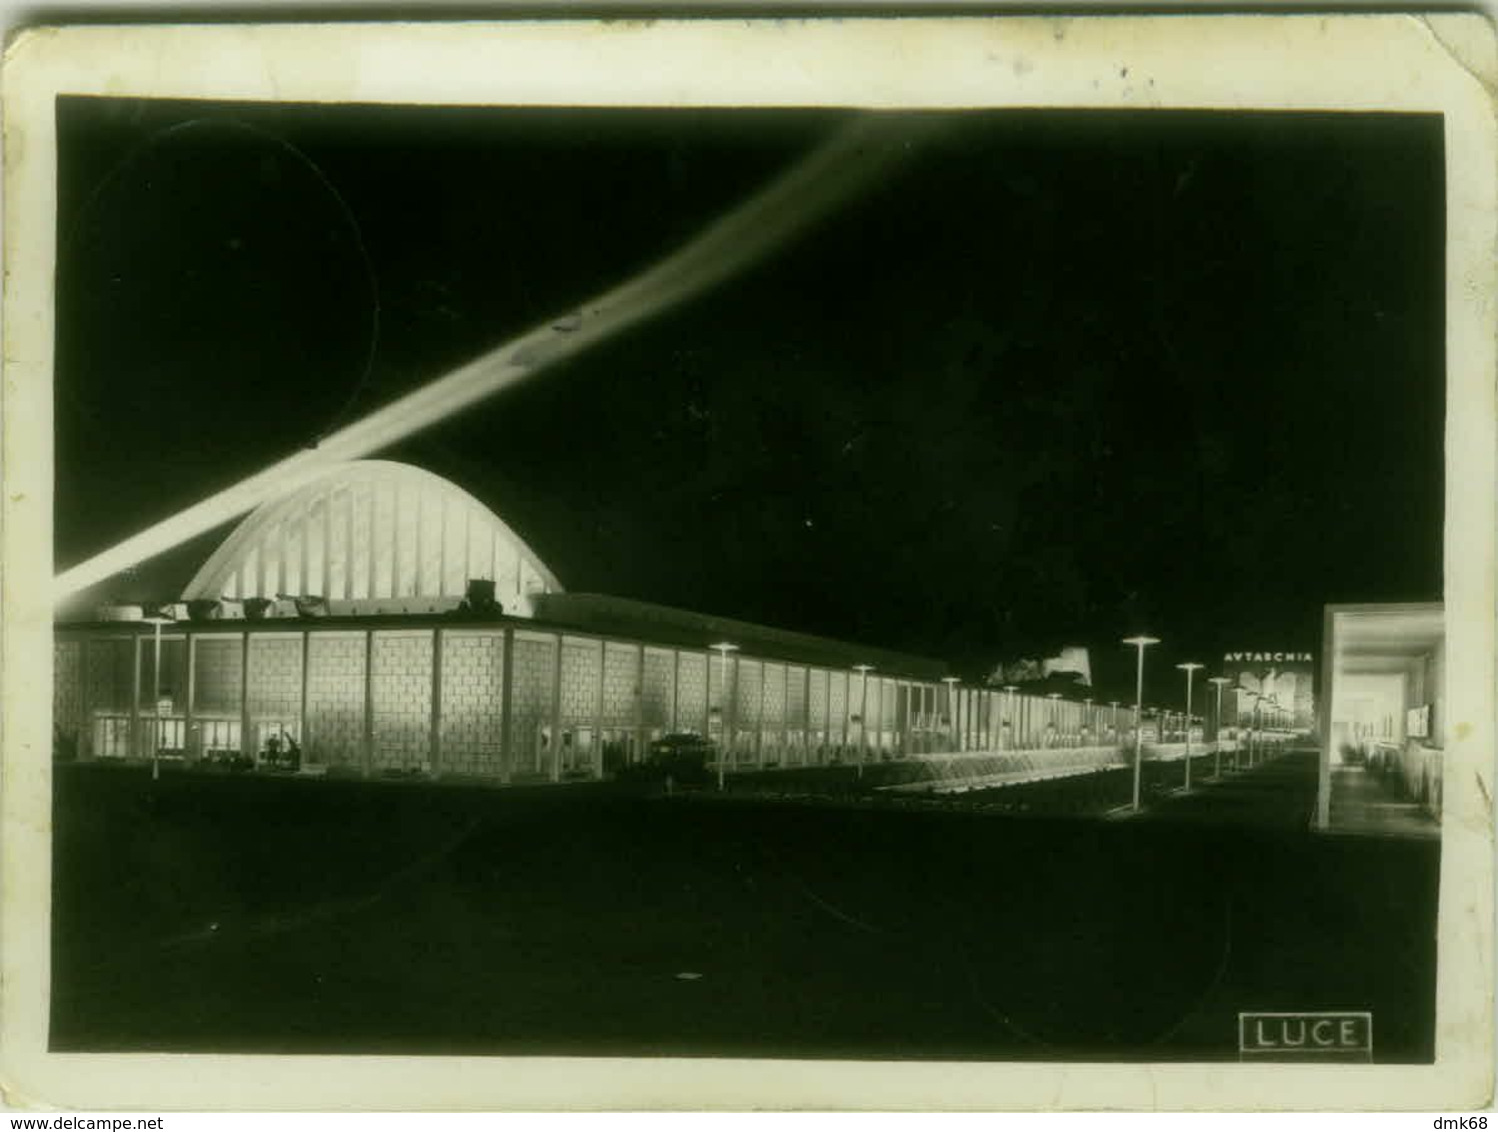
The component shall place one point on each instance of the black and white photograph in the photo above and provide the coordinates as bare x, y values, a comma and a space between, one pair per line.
878, 582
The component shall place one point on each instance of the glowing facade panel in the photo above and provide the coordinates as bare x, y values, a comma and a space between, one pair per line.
531, 699
401, 695
658, 689
620, 685
472, 705
691, 692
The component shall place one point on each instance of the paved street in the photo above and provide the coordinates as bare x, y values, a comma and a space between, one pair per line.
273, 915
1278, 794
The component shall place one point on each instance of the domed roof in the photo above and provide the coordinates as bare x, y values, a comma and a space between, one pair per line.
376, 536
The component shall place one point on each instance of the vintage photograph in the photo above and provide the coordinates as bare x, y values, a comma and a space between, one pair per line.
899, 584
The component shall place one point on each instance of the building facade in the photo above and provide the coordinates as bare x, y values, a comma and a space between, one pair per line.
384, 622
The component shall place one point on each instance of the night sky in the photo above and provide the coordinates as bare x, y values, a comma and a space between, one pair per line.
1060, 377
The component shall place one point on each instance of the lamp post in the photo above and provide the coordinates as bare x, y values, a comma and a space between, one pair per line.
1189, 668
1140, 643
1218, 682
156, 618
723, 648
1009, 690
1254, 738
863, 712
952, 732
1245, 725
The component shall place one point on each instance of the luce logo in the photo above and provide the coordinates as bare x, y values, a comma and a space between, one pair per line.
1315, 1035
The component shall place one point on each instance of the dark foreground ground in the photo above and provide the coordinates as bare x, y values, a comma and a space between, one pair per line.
262, 915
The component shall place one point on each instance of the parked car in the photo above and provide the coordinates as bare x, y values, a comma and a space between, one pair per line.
683, 757
225, 759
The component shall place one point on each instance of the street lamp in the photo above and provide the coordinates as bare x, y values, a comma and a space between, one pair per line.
1256, 716
1140, 643
952, 732
1052, 731
156, 618
723, 648
1189, 668
1219, 682
1009, 690
863, 713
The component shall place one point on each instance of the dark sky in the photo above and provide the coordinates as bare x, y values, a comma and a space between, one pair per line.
1057, 378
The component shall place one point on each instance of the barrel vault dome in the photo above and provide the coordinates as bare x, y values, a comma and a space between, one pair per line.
374, 536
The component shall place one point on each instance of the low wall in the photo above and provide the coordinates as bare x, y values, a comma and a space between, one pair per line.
980, 770
957, 772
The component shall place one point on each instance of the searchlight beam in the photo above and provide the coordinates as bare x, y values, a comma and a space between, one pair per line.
849, 163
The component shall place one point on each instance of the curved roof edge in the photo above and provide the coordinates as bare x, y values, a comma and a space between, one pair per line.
370, 530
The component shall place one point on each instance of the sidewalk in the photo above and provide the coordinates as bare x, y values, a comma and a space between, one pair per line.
1363, 803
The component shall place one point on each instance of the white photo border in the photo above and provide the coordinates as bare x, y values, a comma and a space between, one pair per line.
1446, 64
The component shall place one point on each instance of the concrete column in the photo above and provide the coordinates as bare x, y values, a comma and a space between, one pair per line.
827, 713
863, 718
434, 757
639, 751
246, 738
368, 695
729, 704
707, 705
806, 715
189, 747
785, 714
759, 722
848, 711
674, 723
85, 703
304, 726
596, 759
134, 735
556, 712
506, 702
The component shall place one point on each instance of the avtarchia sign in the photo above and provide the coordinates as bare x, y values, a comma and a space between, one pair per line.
1285, 675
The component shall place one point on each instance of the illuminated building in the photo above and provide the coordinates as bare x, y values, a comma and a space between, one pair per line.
1384, 715
383, 621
